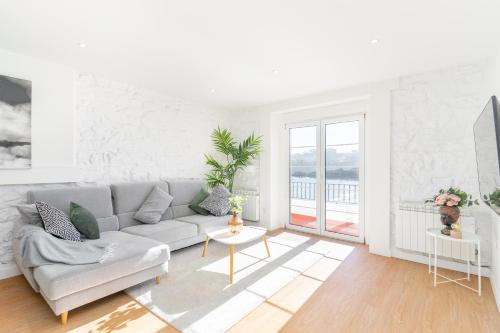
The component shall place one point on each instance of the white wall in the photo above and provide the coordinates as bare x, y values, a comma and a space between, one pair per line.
273, 186
126, 133
101, 131
52, 119
242, 124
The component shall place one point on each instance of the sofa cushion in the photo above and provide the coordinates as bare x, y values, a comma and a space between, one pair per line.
30, 214
204, 222
127, 220
165, 231
97, 199
84, 221
131, 254
183, 191
217, 202
154, 206
108, 223
128, 197
57, 223
195, 203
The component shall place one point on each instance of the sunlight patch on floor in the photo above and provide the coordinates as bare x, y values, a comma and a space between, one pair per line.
289, 239
322, 269
272, 282
295, 294
294, 271
130, 317
267, 317
221, 266
289, 286
324, 247
339, 251
302, 261
228, 313
258, 250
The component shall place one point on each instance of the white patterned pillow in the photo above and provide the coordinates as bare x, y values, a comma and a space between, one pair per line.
56, 222
217, 202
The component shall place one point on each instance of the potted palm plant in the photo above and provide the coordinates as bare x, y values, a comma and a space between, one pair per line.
237, 157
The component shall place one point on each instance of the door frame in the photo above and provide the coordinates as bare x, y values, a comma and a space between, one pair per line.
320, 194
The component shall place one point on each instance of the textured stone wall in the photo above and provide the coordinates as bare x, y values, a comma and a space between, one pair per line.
432, 136
124, 133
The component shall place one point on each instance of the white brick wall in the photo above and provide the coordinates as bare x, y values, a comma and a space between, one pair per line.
128, 133
242, 124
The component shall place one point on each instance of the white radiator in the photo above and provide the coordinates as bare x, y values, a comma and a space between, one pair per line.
412, 221
252, 205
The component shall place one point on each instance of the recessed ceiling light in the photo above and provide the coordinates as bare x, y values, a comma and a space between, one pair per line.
374, 41
82, 44
275, 71
212, 91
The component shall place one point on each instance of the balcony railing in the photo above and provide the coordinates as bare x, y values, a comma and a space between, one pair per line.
336, 193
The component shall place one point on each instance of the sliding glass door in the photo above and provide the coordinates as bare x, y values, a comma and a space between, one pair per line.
326, 167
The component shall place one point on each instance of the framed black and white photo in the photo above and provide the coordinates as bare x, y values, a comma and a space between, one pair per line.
15, 123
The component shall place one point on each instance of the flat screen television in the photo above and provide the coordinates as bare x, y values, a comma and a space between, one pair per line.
487, 140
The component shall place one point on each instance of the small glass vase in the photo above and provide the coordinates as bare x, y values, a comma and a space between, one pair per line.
235, 224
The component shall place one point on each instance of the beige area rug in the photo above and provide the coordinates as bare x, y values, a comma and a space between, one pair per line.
195, 296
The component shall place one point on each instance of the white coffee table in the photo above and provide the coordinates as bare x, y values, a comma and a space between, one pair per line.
246, 235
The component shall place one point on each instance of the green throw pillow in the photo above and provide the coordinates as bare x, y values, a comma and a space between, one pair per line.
84, 221
195, 203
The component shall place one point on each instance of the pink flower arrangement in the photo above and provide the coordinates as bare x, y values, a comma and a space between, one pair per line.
447, 199
453, 197
440, 200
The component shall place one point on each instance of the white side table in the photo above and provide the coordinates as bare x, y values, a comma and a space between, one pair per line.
467, 237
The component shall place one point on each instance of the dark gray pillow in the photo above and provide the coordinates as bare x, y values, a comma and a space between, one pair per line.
154, 206
30, 214
217, 202
56, 222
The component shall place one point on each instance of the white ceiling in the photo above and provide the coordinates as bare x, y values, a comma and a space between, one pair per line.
187, 48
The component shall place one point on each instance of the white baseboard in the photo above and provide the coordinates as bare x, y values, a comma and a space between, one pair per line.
8, 270
442, 263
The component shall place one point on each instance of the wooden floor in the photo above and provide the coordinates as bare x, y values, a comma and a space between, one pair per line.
367, 293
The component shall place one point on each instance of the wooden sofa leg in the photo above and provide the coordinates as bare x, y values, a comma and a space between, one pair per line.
64, 318
158, 279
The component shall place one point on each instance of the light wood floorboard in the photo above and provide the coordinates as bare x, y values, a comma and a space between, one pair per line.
366, 293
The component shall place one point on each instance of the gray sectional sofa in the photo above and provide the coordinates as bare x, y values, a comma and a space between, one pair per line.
141, 250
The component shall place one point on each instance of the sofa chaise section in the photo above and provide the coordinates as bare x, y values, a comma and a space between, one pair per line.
134, 259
